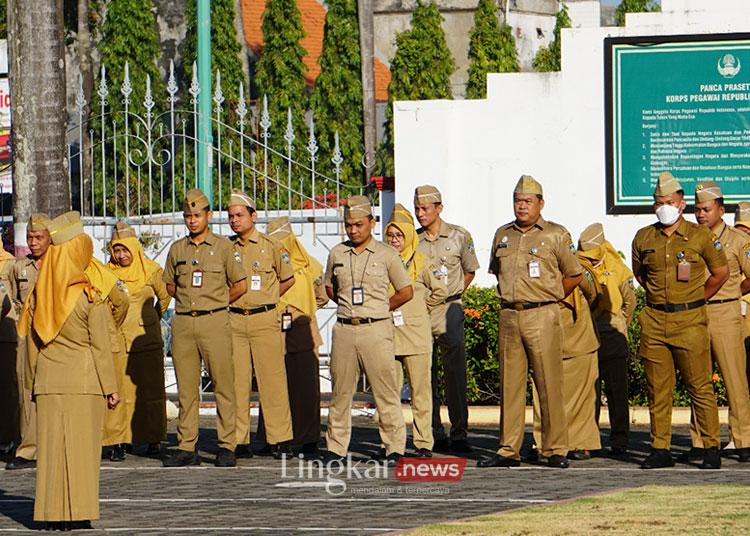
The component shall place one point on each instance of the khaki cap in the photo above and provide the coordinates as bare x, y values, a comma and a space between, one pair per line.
39, 221
667, 184
195, 200
591, 237
401, 215
742, 216
65, 227
427, 194
706, 191
280, 228
528, 185
357, 206
122, 230
239, 197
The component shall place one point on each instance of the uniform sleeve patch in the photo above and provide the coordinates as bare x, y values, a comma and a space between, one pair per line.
571, 246
746, 249
717, 245
470, 246
238, 257
285, 257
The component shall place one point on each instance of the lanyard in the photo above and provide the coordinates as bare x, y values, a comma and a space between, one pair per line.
351, 268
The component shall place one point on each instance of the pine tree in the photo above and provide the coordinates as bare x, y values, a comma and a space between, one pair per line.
280, 72
421, 67
336, 100
634, 6
492, 49
548, 59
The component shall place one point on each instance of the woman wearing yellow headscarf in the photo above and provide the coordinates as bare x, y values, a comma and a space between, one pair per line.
142, 388
413, 332
301, 336
71, 374
612, 316
9, 430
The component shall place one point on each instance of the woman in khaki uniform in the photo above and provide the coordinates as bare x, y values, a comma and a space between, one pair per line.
70, 372
9, 409
412, 333
142, 389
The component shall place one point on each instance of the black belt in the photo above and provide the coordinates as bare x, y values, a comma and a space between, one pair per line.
728, 300
676, 307
255, 310
201, 313
357, 321
455, 297
520, 306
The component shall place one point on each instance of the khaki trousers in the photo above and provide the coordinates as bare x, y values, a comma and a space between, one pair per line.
670, 340
728, 350
145, 398
257, 345
9, 408
27, 416
116, 422
418, 368
580, 375
531, 337
613, 371
367, 347
70, 443
207, 337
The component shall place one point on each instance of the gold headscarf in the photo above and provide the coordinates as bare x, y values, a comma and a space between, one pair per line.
414, 260
102, 278
136, 275
307, 269
610, 271
59, 285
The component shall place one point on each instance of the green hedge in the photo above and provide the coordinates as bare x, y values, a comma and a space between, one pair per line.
481, 306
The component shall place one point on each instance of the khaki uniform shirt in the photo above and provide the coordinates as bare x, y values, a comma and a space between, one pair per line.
452, 253
530, 266
78, 360
415, 336
736, 246
579, 336
219, 269
142, 326
619, 321
375, 269
8, 323
655, 259
6, 305
25, 274
265, 262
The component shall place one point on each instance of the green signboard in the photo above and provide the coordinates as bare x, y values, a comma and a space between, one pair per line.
679, 104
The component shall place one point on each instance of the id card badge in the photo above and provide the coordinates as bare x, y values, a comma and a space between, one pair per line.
398, 319
683, 271
286, 321
255, 282
197, 278
743, 307
534, 269
444, 273
358, 296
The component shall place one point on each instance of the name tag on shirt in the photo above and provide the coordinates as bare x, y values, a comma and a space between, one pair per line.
255, 282
398, 319
358, 296
535, 270
197, 279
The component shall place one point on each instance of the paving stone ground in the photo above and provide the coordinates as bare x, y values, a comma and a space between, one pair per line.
138, 496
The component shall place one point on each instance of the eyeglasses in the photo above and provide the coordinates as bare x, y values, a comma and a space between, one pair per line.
393, 236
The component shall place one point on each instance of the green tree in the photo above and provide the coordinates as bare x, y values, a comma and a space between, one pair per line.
634, 6
336, 100
548, 58
421, 68
492, 49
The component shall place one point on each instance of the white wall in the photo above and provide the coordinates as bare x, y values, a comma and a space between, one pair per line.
548, 125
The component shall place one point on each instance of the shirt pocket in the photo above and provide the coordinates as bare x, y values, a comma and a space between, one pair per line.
503, 257
215, 274
182, 275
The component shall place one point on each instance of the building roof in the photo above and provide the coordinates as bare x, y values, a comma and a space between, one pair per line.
313, 21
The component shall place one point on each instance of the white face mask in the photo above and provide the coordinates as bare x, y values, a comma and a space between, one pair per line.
667, 214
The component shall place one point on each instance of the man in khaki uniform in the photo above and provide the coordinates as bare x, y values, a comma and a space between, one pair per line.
670, 259
725, 320
256, 329
9, 432
25, 273
358, 275
536, 267
450, 249
612, 315
204, 277
742, 223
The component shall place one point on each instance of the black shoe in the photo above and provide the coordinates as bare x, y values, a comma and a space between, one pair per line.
532, 455
460, 446
80, 525
310, 450
658, 459
618, 452
117, 453
442, 445
243, 451
329, 457
281, 450
265, 450
712, 459
153, 449
182, 458
695, 453
423, 453
379, 454
498, 461
56, 525
392, 459
225, 458
20, 463
743, 454
558, 462
579, 454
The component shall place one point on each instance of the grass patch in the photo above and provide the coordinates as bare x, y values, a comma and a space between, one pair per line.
694, 510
